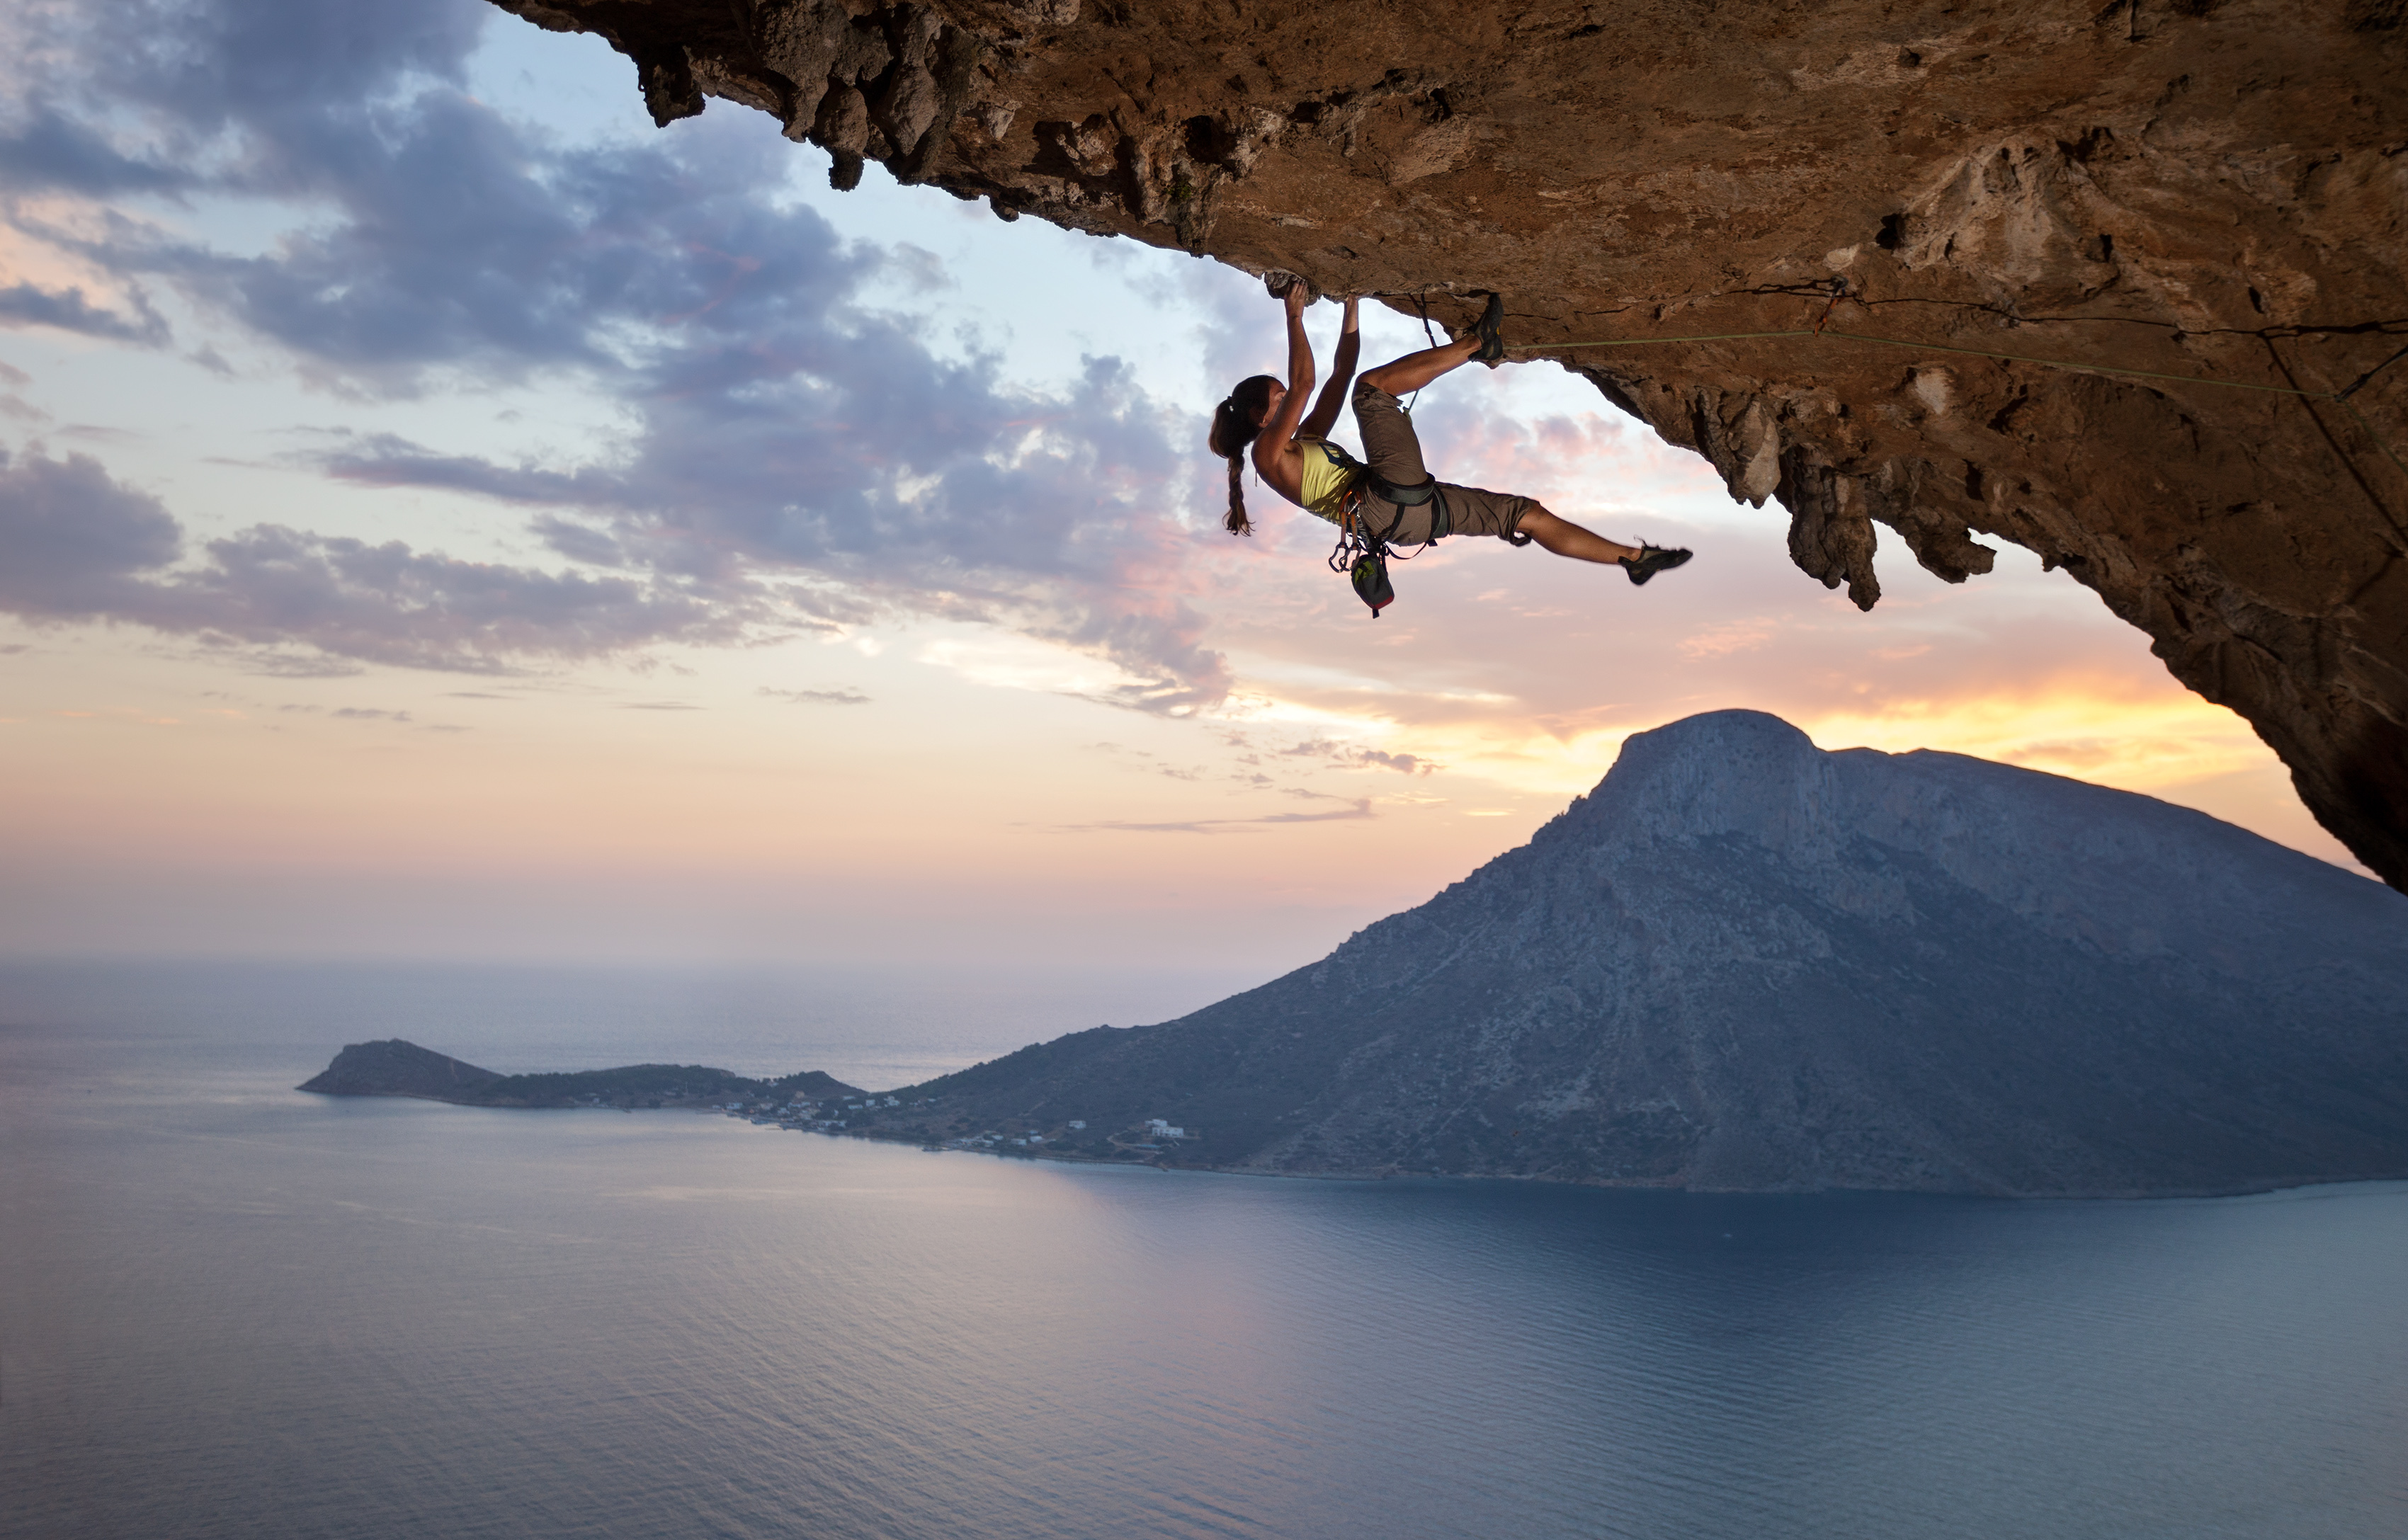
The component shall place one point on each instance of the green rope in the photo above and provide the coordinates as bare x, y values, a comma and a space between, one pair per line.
2336, 396
1928, 347
1637, 342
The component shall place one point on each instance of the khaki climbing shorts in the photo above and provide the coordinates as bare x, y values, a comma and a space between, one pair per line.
1394, 452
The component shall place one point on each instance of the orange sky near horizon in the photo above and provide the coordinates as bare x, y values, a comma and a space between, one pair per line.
935, 774
961, 791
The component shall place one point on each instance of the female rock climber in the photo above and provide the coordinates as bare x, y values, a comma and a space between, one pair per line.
1392, 499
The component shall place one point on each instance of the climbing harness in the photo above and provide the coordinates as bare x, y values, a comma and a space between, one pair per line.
1361, 554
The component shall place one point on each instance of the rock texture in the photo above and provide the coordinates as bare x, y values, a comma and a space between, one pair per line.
1744, 964
2210, 188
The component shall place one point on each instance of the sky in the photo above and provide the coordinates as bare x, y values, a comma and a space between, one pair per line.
443, 516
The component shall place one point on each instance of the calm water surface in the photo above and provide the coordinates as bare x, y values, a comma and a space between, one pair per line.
232, 1309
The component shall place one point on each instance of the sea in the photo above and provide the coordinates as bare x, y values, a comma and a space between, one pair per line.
235, 1309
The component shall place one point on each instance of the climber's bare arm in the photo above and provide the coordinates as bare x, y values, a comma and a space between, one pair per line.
1341, 375
1275, 454
1288, 410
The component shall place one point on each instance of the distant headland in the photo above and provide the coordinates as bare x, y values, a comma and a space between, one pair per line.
1740, 965
808, 1100
395, 1069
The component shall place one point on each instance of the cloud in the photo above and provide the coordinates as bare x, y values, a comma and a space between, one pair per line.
47, 150
389, 604
785, 435
783, 431
75, 545
71, 538
25, 304
280, 661
165, 96
1359, 808
1730, 637
1348, 756
817, 697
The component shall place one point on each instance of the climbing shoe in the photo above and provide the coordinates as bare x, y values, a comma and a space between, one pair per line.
1279, 281
1652, 560
1491, 331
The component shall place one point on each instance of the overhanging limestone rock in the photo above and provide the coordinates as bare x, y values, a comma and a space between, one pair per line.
2212, 190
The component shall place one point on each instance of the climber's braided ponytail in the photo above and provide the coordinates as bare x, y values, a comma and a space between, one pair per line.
1237, 422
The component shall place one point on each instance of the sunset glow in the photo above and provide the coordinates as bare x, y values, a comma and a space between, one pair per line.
849, 585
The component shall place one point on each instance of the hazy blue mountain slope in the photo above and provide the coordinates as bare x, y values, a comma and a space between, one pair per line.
1743, 963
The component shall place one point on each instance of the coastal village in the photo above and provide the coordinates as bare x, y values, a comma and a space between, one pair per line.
808, 1101
871, 1116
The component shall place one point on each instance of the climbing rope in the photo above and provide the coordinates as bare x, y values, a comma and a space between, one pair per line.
1839, 290
1421, 303
2339, 398
1932, 348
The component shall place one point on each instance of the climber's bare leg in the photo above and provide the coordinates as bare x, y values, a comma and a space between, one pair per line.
1566, 538
1409, 373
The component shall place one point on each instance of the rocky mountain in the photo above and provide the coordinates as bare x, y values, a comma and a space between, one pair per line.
397, 1068
1953, 267
1744, 964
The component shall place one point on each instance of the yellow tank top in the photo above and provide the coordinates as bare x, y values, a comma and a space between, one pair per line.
1329, 474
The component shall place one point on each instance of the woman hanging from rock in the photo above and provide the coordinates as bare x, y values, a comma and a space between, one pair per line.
1393, 500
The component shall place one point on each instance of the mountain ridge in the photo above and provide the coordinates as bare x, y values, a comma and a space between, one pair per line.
1739, 963
1744, 964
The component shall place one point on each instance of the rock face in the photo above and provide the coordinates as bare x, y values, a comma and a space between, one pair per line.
1745, 963
2205, 188
397, 1068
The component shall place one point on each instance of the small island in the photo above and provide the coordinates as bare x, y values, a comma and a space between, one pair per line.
808, 1100
394, 1067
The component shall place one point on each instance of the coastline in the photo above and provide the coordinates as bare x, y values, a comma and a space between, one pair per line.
1159, 1162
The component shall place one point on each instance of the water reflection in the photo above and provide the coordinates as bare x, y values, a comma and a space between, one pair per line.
252, 1312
